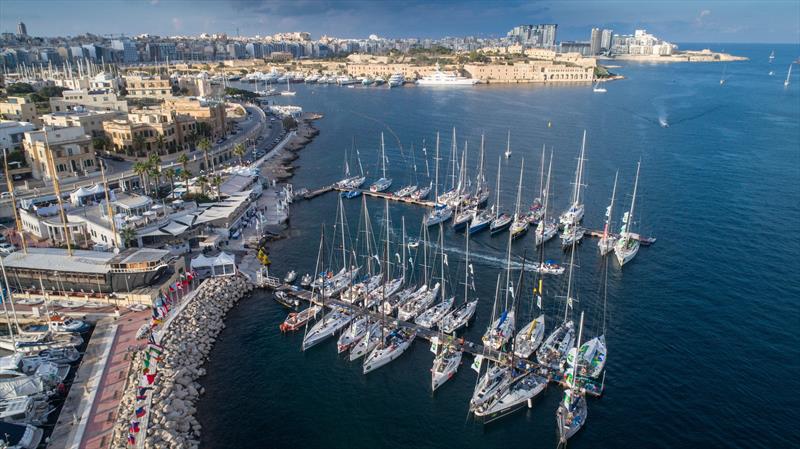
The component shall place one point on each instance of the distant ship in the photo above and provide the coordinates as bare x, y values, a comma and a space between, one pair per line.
439, 78
396, 80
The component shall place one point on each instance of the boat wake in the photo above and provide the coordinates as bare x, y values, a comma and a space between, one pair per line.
497, 262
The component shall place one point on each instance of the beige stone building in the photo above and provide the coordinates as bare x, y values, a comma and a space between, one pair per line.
161, 131
71, 148
19, 109
211, 113
96, 100
90, 121
158, 86
386, 70
529, 72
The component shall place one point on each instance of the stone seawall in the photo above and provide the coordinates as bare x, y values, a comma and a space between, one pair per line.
186, 342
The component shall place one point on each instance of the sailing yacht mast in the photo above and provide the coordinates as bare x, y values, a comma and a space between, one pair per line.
497, 190
579, 179
383, 158
629, 221
569, 282
436, 184
610, 210
519, 189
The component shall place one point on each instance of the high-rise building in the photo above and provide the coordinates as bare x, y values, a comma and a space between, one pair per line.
595, 41
539, 36
129, 52
22, 30
605, 40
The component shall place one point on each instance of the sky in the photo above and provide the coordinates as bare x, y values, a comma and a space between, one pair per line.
767, 21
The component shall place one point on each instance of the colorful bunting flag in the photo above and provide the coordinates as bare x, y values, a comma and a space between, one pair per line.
476, 364
131, 439
140, 412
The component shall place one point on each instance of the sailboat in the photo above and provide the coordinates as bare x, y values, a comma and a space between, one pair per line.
772, 56
598, 89
422, 192
507, 154
351, 182
446, 363
628, 243
501, 220
520, 224
530, 337
574, 214
482, 191
497, 376
788, 76
462, 314
515, 396
501, 329
441, 212
553, 351
392, 346
384, 183
606, 243
572, 411
722, 79
482, 219
288, 91
431, 316
410, 188
452, 196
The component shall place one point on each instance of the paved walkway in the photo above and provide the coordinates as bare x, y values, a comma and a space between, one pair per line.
88, 416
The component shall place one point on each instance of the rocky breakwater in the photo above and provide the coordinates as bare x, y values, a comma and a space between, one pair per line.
280, 166
186, 344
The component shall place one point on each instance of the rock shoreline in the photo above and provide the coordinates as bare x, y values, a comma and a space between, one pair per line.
280, 167
187, 344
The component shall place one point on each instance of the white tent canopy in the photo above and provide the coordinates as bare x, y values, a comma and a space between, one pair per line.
221, 265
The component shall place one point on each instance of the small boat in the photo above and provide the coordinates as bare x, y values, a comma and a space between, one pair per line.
459, 317
430, 317
405, 191
516, 396
352, 334
387, 291
507, 154
392, 347
445, 366
574, 214
60, 324
366, 344
496, 379
290, 277
548, 267
571, 235
20, 436
481, 221
422, 193
439, 215
421, 300
285, 300
592, 357
350, 194
327, 326
413, 243
500, 331
395, 301
463, 218
306, 280
788, 76
571, 415
296, 320
501, 223
627, 244
529, 338
384, 183
554, 349
598, 89
520, 225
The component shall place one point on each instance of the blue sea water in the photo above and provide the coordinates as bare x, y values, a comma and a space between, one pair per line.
702, 326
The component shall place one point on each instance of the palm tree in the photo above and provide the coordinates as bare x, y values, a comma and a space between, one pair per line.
141, 169
203, 184
128, 235
160, 143
239, 150
216, 181
183, 159
170, 174
186, 176
204, 145
154, 168
138, 144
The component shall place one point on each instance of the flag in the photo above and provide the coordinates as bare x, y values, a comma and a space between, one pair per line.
135, 426
476, 364
141, 397
143, 390
131, 439
147, 362
146, 370
140, 412
150, 378
445, 260
511, 290
470, 270
539, 301
569, 302
434, 345
541, 291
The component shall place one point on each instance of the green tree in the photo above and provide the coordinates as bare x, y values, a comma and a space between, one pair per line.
170, 174
186, 176
19, 89
289, 122
101, 143
141, 169
216, 181
204, 145
160, 143
203, 184
138, 144
128, 235
154, 168
239, 150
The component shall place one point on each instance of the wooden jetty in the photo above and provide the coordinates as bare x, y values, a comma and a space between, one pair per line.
428, 334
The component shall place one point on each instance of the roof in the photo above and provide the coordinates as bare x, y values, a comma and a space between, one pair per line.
137, 255
82, 261
133, 201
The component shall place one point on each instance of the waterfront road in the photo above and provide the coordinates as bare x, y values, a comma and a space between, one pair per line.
256, 124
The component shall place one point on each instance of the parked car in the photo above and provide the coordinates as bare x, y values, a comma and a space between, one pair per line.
7, 248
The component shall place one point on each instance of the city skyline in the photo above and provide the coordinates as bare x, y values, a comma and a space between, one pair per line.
712, 21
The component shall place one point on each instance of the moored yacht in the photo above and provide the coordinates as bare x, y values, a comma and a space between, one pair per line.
439, 78
393, 346
326, 327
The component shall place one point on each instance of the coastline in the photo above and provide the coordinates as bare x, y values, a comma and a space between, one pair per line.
688, 56
279, 165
